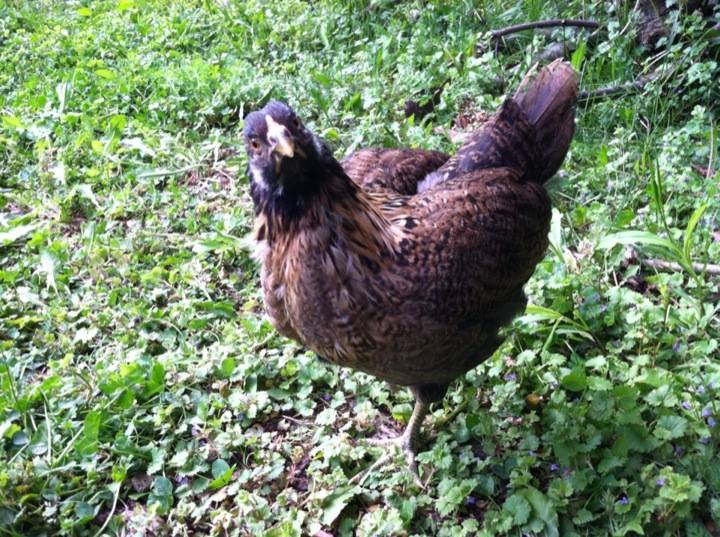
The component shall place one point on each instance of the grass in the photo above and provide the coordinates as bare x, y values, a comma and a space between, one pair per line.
142, 392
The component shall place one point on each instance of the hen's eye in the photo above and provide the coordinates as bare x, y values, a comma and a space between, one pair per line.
254, 144
296, 123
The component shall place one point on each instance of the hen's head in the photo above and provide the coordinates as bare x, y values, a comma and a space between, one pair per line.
284, 158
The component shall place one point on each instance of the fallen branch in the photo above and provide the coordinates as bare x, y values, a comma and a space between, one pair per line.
661, 264
166, 173
631, 255
622, 89
552, 23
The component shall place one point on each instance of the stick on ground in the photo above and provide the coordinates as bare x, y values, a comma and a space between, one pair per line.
632, 256
496, 34
612, 91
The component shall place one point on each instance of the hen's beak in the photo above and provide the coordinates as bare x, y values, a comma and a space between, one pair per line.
279, 137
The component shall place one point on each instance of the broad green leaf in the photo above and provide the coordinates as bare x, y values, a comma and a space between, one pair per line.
107, 74
161, 496
180, 458
20, 438
599, 384
519, 508
670, 427
624, 217
596, 363
8, 428
200, 484
286, 529
543, 510
583, 516
91, 427
715, 508
227, 367
401, 412
219, 467
336, 501
609, 462
88, 443
452, 493
156, 380
162, 486
326, 417
408, 508
633, 527
218, 308
654, 377
602, 156
158, 460
222, 474
118, 122
85, 512
12, 122
11, 235
161, 504
576, 380
85, 335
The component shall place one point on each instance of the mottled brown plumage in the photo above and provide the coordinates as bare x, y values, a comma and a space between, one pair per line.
405, 263
396, 170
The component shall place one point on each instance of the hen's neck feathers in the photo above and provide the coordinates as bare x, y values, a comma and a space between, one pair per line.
332, 211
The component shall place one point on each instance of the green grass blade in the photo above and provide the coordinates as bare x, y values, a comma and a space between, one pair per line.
690, 229
533, 312
643, 238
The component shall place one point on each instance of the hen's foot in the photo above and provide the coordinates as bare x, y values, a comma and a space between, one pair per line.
391, 445
407, 442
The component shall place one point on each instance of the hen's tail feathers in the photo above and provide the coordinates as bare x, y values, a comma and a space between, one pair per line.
530, 133
548, 102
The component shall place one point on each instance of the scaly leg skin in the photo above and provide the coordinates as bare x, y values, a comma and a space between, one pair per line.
407, 442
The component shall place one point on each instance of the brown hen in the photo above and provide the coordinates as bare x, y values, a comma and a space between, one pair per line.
405, 263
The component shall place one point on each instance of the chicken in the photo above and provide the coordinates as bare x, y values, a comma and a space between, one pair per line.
405, 263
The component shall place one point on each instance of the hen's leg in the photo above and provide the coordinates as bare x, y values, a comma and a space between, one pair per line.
425, 394
409, 438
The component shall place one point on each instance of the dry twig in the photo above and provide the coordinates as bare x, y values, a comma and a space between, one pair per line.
661, 264
631, 255
622, 89
552, 23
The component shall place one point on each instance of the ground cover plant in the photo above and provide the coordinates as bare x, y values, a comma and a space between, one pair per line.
142, 392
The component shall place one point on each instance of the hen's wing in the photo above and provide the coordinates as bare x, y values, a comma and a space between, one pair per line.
395, 170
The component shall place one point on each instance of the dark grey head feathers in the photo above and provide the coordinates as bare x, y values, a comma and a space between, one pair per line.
287, 164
